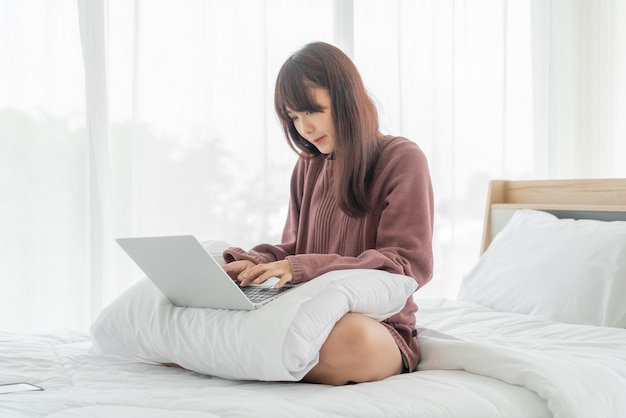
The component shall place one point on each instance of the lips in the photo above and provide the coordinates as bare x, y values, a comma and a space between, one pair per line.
318, 140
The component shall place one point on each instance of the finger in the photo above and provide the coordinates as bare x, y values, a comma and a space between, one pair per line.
277, 269
233, 269
279, 273
236, 268
261, 272
229, 268
284, 279
250, 274
264, 276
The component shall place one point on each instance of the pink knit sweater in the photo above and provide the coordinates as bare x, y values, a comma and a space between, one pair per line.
394, 236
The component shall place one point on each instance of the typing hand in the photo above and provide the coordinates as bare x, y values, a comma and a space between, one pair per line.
249, 273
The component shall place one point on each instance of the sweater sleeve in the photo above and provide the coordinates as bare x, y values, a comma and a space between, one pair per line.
403, 243
403, 225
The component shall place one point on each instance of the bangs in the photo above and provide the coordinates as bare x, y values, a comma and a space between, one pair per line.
294, 91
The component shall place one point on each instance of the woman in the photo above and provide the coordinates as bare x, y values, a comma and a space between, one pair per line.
358, 200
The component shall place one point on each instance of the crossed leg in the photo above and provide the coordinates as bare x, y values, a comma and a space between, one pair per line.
358, 349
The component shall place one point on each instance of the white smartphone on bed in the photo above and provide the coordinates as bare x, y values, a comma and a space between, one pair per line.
17, 387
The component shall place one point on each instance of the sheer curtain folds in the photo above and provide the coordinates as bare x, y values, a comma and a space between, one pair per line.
578, 71
100, 233
122, 118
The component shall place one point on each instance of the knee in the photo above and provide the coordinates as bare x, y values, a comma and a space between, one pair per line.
354, 335
358, 349
357, 340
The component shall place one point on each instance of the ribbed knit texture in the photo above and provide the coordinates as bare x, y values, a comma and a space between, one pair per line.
394, 236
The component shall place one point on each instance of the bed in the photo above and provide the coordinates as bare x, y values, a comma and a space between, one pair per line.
537, 331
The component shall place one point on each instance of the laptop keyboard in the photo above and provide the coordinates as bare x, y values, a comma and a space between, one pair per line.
258, 294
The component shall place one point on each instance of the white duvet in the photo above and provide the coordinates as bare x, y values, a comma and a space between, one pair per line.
579, 370
475, 362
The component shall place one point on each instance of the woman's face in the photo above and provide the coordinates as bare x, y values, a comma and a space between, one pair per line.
316, 127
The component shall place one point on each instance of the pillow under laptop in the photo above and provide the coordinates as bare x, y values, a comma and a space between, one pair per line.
278, 342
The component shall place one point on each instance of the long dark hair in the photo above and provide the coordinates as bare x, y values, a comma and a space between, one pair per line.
354, 115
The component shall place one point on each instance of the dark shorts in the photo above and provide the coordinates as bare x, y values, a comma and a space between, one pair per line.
406, 339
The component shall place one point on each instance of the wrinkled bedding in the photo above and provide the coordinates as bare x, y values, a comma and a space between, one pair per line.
476, 362
580, 370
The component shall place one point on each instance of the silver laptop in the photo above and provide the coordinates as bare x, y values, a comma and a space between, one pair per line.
189, 276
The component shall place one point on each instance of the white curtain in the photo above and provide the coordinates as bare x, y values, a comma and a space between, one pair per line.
122, 118
579, 69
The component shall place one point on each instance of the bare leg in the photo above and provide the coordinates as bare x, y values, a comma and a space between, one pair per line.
358, 349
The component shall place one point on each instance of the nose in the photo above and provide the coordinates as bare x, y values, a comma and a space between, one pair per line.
306, 126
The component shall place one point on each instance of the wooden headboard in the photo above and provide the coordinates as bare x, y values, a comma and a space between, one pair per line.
600, 199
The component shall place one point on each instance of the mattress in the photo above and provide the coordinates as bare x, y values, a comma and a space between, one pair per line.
475, 362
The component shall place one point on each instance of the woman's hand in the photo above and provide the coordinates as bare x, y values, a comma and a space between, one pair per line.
246, 272
236, 268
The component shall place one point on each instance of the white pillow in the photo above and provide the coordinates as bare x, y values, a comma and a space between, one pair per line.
280, 341
563, 269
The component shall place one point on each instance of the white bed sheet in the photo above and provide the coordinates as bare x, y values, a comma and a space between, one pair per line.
494, 347
580, 370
